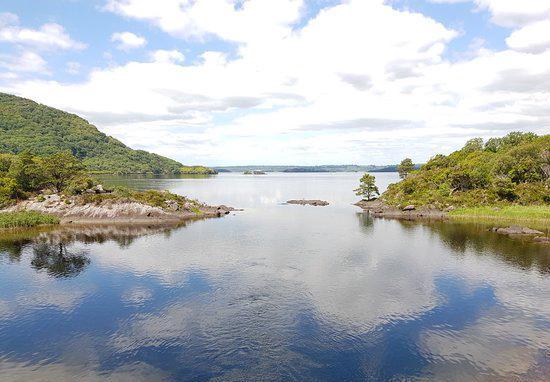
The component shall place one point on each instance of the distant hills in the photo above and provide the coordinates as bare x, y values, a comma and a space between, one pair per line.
28, 126
305, 169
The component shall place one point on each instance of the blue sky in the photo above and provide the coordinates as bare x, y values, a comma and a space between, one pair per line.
287, 81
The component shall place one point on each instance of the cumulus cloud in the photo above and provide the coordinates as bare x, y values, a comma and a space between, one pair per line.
128, 40
167, 56
48, 36
532, 38
196, 19
361, 69
24, 61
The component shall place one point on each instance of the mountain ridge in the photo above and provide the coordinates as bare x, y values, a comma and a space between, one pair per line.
22, 121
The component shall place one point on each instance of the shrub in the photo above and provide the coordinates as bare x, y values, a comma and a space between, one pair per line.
25, 219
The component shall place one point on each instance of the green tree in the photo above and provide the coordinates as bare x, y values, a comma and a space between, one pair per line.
405, 167
367, 187
475, 144
26, 171
60, 169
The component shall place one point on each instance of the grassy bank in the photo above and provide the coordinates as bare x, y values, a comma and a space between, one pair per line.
25, 219
534, 215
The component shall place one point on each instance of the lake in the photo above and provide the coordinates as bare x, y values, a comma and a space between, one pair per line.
273, 293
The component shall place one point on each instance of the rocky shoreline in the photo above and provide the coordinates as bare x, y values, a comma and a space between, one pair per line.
74, 210
379, 209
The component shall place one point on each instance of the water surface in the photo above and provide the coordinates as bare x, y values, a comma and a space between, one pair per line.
274, 293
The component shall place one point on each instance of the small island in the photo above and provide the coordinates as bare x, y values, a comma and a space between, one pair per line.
308, 202
197, 170
254, 172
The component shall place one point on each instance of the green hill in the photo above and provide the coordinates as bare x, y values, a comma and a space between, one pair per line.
512, 170
28, 126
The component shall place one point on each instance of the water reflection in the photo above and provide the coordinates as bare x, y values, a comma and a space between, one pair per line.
57, 260
304, 294
477, 238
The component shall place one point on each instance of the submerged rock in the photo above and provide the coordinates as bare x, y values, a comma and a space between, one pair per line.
542, 239
312, 202
517, 230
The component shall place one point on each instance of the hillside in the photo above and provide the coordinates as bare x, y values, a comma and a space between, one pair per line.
28, 126
513, 170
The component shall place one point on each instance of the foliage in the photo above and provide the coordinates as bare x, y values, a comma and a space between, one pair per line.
155, 198
22, 175
405, 167
367, 187
197, 170
28, 126
514, 169
506, 212
25, 219
58, 170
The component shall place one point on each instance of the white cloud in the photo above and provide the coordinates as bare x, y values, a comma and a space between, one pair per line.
221, 18
532, 38
337, 89
167, 56
512, 13
24, 61
128, 40
48, 36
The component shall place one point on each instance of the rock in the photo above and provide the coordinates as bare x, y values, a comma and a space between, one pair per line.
450, 208
542, 239
410, 207
312, 202
172, 205
517, 230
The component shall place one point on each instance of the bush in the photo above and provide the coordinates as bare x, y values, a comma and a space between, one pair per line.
79, 185
25, 219
504, 188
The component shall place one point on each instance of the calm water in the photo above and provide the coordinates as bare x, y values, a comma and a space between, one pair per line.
274, 293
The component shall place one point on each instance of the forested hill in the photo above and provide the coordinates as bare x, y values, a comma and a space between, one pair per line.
28, 126
514, 169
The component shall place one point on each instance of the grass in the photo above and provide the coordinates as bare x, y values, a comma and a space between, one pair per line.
525, 214
25, 219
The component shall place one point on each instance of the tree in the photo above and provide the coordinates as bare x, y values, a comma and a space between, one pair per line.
367, 187
405, 167
60, 169
475, 144
27, 172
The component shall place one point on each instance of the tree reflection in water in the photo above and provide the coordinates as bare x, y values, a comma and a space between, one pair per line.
51, 247
57, 261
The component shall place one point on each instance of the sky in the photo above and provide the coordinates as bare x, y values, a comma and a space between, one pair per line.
303, 82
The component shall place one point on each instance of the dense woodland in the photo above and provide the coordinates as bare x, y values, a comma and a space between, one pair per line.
41, 130
514, 169
23, 175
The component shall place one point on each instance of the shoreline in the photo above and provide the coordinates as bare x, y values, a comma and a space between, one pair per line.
74, 210
497, 224
382, 210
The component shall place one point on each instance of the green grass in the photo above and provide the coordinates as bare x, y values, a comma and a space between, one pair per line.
535, 214
25, 219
